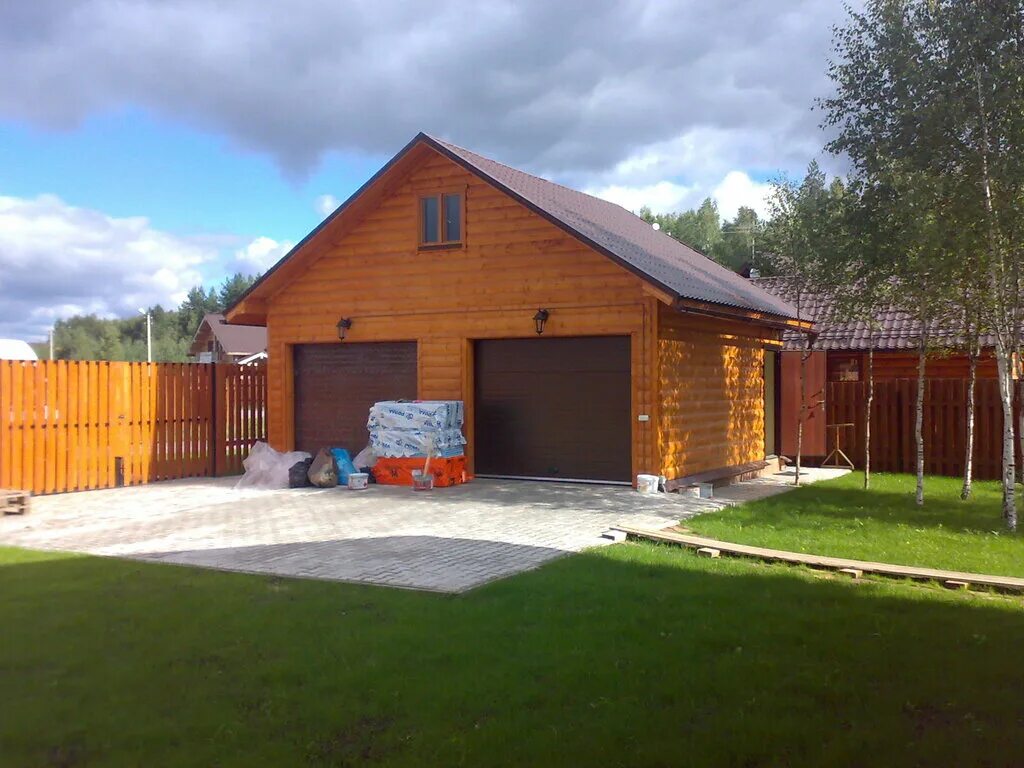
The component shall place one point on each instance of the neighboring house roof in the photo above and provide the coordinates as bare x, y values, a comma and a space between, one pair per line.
16, 349
668, 265
894, 328
233, 339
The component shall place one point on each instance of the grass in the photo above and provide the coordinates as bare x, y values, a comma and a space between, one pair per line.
633, 655
839, 518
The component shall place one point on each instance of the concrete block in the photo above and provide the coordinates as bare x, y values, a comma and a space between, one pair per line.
956, 584
709, 552
853, 573
614, 535
707, 490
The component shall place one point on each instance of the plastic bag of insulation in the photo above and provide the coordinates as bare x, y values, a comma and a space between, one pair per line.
267, 469
365, 459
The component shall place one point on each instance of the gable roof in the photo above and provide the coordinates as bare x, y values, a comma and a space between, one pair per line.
668, 265
895, 329
234, 339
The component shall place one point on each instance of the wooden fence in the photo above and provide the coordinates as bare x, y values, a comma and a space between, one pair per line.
78, 425
893, 448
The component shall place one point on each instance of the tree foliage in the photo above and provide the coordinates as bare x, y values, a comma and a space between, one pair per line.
730, 243
89, 337
929, 110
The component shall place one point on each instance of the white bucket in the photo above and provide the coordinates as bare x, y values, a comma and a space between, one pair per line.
357, 481
647, 483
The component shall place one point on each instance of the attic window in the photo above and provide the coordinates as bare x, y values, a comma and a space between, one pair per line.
440, 219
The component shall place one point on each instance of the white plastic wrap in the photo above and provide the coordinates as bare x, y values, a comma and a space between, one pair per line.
266, 468
395, 443
365, 458
423, 414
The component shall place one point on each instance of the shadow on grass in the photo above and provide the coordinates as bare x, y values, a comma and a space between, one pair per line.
631, 655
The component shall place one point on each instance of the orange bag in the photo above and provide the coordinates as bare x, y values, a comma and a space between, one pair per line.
446, 472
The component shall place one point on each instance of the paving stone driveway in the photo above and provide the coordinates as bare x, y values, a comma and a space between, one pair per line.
447, 540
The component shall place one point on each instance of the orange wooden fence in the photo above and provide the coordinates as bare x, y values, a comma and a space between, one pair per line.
893, 448
77, 425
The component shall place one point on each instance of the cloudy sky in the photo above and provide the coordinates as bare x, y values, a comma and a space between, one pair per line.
146, 146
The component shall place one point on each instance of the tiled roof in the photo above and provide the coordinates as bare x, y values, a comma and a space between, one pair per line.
236, 339
625, 237
895, 329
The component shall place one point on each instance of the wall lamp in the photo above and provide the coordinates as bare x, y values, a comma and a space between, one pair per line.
343, 325
539, 319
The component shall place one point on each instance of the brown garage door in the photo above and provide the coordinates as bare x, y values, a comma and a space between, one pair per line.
557, 408
335, 385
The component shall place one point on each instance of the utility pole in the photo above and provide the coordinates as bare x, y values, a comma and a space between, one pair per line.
52, 328
149, 334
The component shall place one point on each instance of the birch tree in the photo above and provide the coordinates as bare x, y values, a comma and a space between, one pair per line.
803, 233
933, 90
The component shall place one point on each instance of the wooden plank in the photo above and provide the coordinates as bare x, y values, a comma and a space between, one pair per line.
60, 421
19, 454
39, 428
49, 424
6, 425
1009, 583
220, 420
104, 433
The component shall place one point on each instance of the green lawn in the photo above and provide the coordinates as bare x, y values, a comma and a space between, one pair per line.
837, 517
632, 655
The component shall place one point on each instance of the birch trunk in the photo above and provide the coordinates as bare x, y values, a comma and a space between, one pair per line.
919, 419
1004, 325
867, 411
972, 378
1009, 473
802, 412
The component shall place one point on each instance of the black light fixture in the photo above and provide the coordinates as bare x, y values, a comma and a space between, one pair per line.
343, 325
539, 319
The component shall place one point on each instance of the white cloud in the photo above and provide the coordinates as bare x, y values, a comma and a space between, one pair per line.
738, 189
662, 197
733, 190
326, 204
260, 254
58, 260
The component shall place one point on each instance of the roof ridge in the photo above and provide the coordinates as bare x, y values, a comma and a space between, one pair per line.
452, 145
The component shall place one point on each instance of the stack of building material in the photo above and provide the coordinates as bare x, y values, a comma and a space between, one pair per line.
408, 436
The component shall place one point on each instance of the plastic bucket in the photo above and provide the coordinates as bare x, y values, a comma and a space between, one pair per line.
422, 481
647, 483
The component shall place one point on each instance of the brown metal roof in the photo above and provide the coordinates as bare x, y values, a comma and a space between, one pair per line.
235, 339
665, 263
895, 328
623, 236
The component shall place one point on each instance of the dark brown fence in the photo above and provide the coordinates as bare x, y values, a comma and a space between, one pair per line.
77, 425
945, 429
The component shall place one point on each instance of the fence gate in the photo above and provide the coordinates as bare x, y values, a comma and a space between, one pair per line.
78, 425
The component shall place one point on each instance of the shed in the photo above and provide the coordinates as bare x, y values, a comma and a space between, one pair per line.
585, 344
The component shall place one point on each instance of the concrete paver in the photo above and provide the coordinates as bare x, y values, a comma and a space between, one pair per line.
447, 540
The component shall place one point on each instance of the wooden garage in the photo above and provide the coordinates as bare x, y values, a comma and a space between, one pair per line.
585, 344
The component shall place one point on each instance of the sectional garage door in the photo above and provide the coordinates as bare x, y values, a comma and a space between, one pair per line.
553, 408
335, 385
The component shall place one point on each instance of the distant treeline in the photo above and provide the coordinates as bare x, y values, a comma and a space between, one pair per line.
730, 243
88, 337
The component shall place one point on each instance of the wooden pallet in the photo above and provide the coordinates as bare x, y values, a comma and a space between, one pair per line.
14, 502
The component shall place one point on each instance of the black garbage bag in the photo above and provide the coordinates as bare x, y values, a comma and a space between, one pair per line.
298, 474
